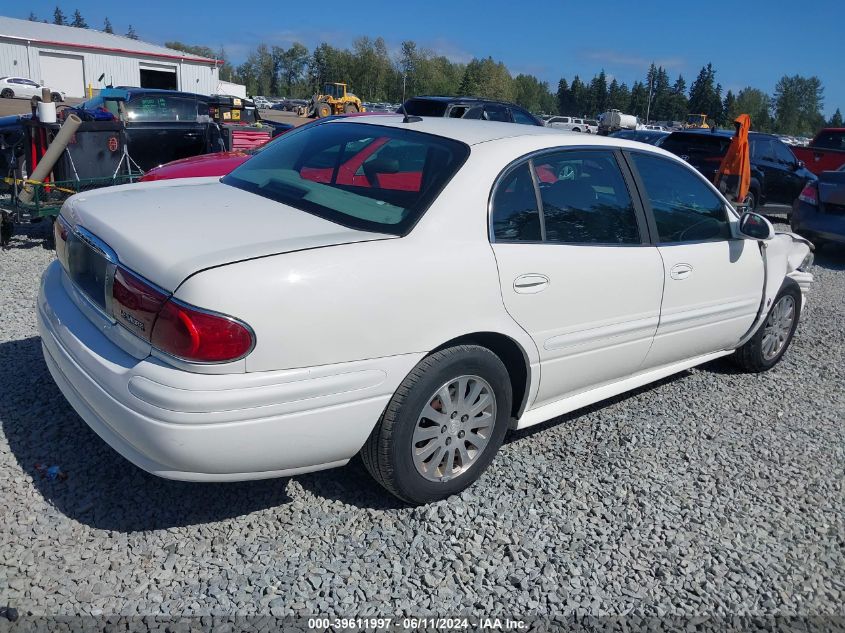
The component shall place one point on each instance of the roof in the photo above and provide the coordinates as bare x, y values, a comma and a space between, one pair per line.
445, 99
723, 133
73, 37
474, 132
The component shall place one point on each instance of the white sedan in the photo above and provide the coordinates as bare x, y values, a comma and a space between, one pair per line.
22, 88
404, 288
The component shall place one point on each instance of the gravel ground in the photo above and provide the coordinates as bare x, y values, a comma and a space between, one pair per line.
709, 492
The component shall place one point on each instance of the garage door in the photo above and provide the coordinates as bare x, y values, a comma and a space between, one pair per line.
63, 73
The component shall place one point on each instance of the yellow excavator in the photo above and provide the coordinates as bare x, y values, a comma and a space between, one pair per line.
333, 100
696, 121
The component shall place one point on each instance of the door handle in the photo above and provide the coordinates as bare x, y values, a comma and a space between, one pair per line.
530, 283
680, 271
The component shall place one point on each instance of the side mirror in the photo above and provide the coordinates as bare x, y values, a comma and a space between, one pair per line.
756, 227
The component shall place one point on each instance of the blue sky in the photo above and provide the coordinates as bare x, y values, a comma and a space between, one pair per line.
750, 43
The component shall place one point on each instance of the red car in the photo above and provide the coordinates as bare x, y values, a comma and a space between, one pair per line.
221, 163
826, 152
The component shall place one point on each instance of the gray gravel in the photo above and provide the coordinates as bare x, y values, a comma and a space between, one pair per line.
710, 492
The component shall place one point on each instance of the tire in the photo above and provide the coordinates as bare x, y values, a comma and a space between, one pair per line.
56, 98
389, 451
350, 107
758, 355
750, 200
576, 129
323, 110
7, 93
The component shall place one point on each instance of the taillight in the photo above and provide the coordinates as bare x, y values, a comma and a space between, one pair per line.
176, 328
196, 335
810, 195
135, 302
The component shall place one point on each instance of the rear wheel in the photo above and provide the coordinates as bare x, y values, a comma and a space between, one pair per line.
7, 93
769, 343
323, 110
350, 107
56, 97
443, 425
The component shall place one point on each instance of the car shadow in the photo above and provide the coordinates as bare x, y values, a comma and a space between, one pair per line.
105, 491
29, 235
96, 486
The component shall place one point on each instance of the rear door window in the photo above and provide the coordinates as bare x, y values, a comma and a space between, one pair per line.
522, 117
585, 199
515, 215
830, 140
494, 112
424, 107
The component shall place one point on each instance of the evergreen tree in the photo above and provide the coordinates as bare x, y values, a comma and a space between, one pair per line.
836, 119
729, 111
32, 17
705, 94
131, 34
107, 28
678, 100
639, 99
59, 17
579, 97
756, 104
564, 97
598, 95
78, 21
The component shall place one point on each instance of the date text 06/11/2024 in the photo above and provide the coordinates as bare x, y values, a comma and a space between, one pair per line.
411, 623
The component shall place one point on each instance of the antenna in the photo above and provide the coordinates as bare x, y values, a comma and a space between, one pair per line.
409, 118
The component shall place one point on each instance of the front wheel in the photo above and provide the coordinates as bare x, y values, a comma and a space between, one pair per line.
769, 343
7, 93
443, 425
349, 108
323, 110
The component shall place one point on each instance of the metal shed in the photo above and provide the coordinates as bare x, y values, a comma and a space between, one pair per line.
69, 59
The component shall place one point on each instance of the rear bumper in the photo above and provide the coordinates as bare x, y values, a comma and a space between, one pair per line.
807, 220
202, 427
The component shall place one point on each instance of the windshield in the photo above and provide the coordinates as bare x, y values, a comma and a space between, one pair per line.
363, 176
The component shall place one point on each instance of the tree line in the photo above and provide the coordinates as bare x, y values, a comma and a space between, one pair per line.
795, 107
374, 74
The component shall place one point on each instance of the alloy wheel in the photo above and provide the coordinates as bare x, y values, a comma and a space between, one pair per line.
778, 327
453, 428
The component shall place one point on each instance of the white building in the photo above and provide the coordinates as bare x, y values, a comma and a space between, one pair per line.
70, 59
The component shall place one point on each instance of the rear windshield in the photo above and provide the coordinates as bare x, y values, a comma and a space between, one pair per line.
424, 107
696, 144
362, 176
832, 139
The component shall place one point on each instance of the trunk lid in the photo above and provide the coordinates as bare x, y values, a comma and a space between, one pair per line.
169, 230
